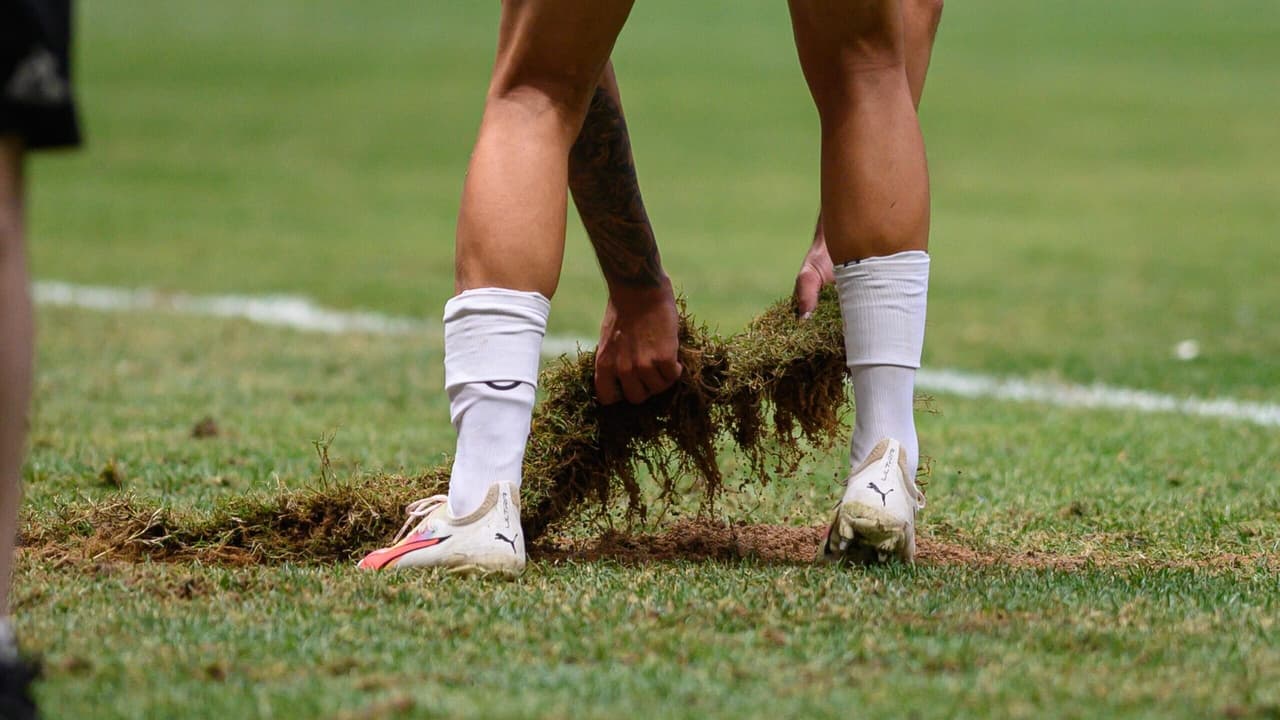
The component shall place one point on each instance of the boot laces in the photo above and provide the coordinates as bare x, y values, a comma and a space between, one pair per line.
417, 510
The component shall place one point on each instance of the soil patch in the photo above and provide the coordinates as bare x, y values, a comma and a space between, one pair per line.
691, 540
703, 541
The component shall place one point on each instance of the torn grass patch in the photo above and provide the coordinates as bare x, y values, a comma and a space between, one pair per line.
776, 390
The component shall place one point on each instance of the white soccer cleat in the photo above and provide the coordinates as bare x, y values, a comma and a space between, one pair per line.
876, 520
488, 541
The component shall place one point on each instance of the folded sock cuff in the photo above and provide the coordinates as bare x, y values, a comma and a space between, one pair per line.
883, 302
494, 335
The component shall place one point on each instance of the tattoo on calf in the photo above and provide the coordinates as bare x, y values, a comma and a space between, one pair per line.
602, 176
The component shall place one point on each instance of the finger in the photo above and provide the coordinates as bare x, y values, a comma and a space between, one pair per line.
607, 385
808, 283
653, 381
632, 387
670, 370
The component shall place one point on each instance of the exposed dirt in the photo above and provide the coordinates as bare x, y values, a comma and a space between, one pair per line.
691, 540
703, 541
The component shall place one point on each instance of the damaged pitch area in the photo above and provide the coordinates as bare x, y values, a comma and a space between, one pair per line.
776, 390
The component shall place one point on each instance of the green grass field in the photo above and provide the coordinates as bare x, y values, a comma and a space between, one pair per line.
1105, 186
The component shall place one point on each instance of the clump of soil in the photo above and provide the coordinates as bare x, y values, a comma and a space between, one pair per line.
206, 427
776, 390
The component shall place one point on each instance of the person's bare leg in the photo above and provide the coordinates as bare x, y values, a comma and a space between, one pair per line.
511, 228
920, 28
875, 185
510, 244
920, 20
875, 211
512, 221
16, 340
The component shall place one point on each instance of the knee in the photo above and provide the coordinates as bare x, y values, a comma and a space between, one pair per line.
866, 72
851, 56
563, 95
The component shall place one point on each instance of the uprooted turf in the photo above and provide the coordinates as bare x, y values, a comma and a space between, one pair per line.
776, 389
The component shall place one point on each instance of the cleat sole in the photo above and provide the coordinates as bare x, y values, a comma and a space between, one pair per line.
485, 572
871, 536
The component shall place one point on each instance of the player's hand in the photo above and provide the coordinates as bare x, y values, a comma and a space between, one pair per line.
638, 355
816, 271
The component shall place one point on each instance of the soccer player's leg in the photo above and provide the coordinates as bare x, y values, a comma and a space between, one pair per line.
920, 27
510, 244
16, 340
37, 110
920, 21
875, 207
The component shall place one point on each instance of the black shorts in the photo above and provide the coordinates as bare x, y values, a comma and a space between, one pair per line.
36, 99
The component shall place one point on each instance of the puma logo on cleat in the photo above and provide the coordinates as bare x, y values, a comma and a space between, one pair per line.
884, 495
507, 540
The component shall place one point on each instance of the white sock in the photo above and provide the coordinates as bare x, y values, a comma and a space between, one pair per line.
492, 343
882, 301
8, 645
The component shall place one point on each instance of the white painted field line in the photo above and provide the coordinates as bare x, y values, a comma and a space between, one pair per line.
301, 313
281, 310
1097, 396
290, 311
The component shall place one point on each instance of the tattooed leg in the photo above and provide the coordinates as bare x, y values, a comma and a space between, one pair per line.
637, 355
